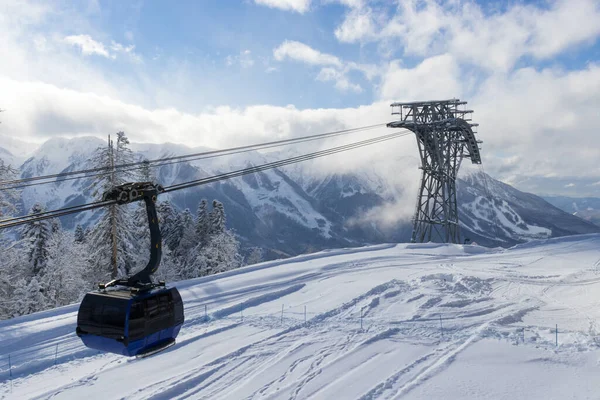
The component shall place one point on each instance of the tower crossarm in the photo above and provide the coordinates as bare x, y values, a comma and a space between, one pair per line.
471, 148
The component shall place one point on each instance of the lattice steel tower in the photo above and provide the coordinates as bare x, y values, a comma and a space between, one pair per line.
445, 136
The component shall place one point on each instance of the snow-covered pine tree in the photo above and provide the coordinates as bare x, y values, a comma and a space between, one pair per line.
12, 256
27, 297
217, 218
9, 198
188, 237
12, 269
79, 235
101, 238
255, 256
203, 226
68, 265
146, 172
186, 251
170, 224
169, 269
35, 238
219, 253
20, 302
123, 154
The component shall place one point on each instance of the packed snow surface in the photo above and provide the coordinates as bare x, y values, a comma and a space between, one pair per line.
438, 322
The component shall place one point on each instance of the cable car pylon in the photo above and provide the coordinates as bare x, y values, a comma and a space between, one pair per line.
445, 137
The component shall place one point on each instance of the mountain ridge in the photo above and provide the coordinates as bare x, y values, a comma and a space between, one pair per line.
302, 208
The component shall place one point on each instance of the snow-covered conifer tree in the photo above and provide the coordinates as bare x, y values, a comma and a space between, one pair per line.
203, 226
170, 224
220, 251
79, 235
146, 172
68, 265
255, 256
27, 297
188, 237
217, 218
8, 197
35, 237
12, 269
101, 238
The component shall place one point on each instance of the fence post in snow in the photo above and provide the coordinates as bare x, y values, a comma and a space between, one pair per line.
441, 327
55, 354
361, 318
205, 313
523, 334
10, 372
304, 315
242, 312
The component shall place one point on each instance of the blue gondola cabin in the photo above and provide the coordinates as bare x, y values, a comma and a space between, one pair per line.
130, 323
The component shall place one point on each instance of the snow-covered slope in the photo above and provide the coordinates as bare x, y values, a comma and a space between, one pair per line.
496, 338
493, 212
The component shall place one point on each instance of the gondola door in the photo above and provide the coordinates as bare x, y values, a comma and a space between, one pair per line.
153, 320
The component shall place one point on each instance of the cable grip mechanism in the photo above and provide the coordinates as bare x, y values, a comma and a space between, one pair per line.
128, 193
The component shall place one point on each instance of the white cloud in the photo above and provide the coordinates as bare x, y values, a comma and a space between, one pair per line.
244, 59
342, 83
570, 185
119, 48
348, 3
87, 45
461, 28
40, 111
301, 52
548, 117
358, 25
578, 21
435, 78
534, 122
333, 68
300, 6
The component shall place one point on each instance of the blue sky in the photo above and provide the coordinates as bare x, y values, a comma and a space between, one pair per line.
200, 37
226, 49
220, 73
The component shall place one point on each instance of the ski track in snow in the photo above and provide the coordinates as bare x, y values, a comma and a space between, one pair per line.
245, 348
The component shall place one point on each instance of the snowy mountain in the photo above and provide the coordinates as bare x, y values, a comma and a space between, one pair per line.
494, 212
14, 151
406, 321
302, 208
587, 208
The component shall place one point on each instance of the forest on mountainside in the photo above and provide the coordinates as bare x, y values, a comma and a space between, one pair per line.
45, 266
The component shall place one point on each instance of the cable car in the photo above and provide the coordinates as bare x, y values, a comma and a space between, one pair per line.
133, 316
129, 323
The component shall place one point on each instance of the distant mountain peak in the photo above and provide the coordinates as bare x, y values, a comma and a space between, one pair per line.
302, 208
